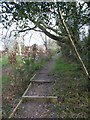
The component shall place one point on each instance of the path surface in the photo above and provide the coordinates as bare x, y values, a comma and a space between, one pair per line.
39, 108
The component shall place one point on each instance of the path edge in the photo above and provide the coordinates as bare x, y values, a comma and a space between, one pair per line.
21, 100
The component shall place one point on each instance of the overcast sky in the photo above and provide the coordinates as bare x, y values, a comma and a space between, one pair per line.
30, 38
36, 38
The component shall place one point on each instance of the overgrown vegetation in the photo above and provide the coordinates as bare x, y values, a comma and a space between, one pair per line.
71, 90
71, 82
4, 61
15, 79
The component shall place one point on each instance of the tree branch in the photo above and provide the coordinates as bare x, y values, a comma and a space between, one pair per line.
54, 30
24, 30
72, 42
54, 37
57, 38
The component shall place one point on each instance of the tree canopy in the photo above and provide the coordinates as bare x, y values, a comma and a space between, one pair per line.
45, 16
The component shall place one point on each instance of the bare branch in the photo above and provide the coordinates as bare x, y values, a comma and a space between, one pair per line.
42, 37
27, 29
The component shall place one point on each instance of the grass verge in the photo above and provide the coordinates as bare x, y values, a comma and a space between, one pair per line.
70, 87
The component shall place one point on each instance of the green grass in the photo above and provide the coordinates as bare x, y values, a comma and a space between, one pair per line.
5, 82
29, 68
4, 61
71, 90
60, 66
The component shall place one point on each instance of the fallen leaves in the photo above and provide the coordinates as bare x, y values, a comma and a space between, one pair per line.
72, 94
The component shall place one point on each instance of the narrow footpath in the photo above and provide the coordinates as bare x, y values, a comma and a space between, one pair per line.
42, 86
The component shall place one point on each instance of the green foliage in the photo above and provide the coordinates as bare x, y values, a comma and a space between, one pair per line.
39, 10
70, 87
42, 15
17, 80
4, 61
60, 66
5, 82
24, 70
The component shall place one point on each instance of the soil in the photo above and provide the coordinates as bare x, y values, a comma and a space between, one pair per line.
39, 108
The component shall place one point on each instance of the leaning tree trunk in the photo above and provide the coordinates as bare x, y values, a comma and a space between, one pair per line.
72, 43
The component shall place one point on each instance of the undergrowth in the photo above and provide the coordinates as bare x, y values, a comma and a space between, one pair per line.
70, 87
15, 82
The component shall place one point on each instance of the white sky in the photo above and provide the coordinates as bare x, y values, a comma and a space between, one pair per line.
35, 38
